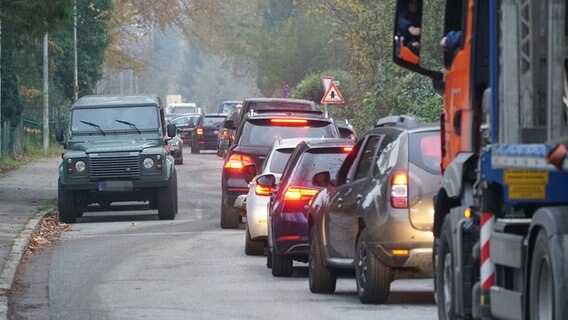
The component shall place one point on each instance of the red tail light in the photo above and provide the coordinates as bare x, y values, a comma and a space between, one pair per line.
347, 149
299, 193
290, 121
199, 131
262, 191
399, 190
238, 161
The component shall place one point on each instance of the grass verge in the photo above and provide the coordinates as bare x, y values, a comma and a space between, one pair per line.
9, 163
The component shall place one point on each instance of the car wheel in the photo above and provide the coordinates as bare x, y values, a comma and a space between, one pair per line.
322, 279
269, 259
167, 199
373, 278
230, 218
67, 205
444, 272
252, 247
281, 265
194, 147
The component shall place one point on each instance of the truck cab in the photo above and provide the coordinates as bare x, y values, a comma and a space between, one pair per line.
116, 150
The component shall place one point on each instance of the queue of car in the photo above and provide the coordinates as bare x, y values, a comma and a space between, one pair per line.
310, 191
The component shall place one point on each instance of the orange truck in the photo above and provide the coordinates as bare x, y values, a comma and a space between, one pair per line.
501, 214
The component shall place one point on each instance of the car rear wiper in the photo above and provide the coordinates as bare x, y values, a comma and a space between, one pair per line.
94, 125
132, 125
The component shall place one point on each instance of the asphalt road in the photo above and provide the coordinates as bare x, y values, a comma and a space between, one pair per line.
130, 265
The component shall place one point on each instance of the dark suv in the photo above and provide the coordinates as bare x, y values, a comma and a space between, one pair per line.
116, 151
287, 218
205, 133
253, 140
376, 216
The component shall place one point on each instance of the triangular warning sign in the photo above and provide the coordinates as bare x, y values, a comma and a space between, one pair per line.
332, 96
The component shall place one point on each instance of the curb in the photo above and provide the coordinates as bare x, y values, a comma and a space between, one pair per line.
14, 258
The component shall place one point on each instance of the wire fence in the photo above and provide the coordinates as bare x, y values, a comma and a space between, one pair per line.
24, 133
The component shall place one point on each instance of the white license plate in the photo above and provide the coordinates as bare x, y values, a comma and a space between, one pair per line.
115, 186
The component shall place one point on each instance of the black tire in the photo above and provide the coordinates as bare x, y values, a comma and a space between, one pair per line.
373, 278
445, 290
67, 205
322, 279
269, 260
252, 247
542, 281
281, 265
167, 199
194, 147
230, 218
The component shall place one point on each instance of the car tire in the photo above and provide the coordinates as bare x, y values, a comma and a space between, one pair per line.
194, 147
252, 247
445, 291
322, 279
373, 278
269, 259
67, 205
281, 265
167, 199
230, 218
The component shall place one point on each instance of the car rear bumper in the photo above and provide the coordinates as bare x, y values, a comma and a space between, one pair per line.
290, 235
257, 216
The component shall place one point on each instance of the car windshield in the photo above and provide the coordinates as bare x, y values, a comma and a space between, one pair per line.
317, 161
427, 150
278, 160
113, 119
213, 122
183, 109
186, 120
229, 107
264, 134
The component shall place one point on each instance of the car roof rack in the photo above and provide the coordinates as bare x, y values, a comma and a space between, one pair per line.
402, 121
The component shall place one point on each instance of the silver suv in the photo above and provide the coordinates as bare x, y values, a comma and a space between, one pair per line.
376, 215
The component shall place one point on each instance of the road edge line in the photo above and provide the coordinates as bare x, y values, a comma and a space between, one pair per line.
15, 256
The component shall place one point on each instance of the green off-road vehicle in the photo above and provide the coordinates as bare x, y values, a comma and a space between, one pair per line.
116, 150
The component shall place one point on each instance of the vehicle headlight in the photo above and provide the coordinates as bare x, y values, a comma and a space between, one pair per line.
174, 144
80, 166
148, 163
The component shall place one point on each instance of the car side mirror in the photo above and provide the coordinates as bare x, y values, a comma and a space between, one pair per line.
267, 181
229, 124
224, 144
321, 179
249, 172
59, 135
171, 130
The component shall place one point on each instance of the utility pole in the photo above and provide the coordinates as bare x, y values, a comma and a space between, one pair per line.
45, 94
75, 71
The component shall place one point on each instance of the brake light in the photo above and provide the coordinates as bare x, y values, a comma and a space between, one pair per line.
199, 131
399, 190
347, 149
289, 121
262, 191
289, 238
238, 161
299, 193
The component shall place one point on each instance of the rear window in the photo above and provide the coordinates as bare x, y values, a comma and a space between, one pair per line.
426, 151
315, 161
275, 105
263, 133
278, 160
216, 122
